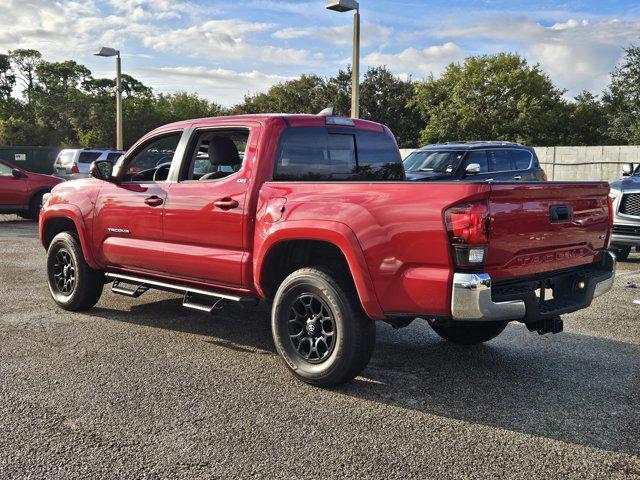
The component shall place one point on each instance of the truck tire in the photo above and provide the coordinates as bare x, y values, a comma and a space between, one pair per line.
469, 334
73, 284
621, 253
320, 329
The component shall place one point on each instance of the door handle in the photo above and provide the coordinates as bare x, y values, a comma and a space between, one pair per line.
226, 203
517, 177
489, 180
153, 201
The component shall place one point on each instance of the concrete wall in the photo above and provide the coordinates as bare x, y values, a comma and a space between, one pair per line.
582, 163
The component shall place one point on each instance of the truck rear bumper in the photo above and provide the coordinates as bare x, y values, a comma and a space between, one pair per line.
475, 298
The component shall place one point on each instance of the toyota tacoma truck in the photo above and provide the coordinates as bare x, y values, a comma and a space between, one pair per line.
313, 215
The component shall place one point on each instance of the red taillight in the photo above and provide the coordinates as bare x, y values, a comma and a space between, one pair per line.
468, 228
75, 169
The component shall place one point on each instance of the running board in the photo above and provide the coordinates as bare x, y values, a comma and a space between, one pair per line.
141, 285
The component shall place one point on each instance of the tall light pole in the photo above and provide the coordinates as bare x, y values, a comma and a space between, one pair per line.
112, 52
347, 6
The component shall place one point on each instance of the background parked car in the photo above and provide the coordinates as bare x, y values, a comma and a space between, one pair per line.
625, 195
499, 161
74, 163
21, 191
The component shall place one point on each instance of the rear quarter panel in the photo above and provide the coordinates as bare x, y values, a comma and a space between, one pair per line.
398, 226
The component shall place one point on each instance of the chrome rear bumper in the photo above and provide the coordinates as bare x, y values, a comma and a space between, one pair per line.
471, 298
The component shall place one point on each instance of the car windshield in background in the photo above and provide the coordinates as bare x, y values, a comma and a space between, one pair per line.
88, 157
433, 161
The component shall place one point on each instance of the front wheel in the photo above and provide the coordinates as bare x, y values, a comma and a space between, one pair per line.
73, 284
469, 334
320, 329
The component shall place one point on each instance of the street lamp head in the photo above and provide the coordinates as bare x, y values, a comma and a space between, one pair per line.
342, 5
107, 52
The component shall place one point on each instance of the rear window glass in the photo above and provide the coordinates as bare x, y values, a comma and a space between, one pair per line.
500, 160
114, 156
88, 157
521, 159
322, 154
65, 158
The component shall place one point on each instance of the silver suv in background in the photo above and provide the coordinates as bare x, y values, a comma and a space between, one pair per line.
625, 196
72, 163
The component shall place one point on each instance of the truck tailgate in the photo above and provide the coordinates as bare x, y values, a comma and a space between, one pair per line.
542, 227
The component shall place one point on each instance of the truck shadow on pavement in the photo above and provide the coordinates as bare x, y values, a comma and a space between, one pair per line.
568, 387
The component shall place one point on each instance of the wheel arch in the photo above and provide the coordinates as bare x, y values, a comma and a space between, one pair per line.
65, 218
298, 244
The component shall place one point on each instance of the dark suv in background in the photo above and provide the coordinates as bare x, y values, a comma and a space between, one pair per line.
489, 161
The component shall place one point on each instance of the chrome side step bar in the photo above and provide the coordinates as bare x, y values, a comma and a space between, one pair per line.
141, 285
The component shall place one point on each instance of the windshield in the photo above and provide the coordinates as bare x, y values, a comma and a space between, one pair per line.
433, 161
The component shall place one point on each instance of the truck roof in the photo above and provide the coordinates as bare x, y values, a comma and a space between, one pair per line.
291, 118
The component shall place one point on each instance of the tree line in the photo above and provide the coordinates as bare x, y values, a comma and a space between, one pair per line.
488, 97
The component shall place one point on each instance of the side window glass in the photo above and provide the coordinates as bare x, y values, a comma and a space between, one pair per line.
5, 170
500, 160
153, 161
521, 159
216, 154
479, 157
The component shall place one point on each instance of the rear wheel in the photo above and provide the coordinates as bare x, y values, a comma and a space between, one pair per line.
320, 329
469, 334
621, 253
73, 284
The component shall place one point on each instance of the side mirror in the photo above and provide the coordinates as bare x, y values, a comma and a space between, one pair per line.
18, 173
472, 169
627, 169
102, 170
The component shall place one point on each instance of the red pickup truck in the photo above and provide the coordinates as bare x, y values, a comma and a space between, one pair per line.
313, 215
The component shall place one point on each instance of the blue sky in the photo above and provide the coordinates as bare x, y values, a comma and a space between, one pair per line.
225, 49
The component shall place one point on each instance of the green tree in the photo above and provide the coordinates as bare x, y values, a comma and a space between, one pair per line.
385, 99
622, 99
26, 61
307, 94
588, 121
7, 78
493, 97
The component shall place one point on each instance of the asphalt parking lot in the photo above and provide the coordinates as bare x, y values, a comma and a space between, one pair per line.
146, 389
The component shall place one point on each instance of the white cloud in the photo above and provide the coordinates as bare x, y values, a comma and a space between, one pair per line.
432, 59
372, 34
577, 54
221, 85
223, 39
138, 10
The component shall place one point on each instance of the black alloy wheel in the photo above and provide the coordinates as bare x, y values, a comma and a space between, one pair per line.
64, 272
312, 328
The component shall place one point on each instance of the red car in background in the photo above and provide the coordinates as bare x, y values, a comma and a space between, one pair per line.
21, 191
